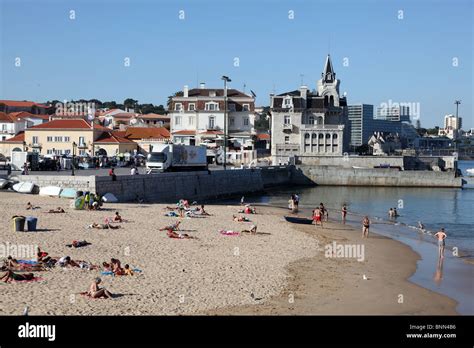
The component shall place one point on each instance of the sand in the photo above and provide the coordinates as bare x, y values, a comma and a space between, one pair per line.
214, 274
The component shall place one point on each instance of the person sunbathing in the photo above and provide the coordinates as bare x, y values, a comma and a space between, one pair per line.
173, 234
66, 261
240, 218
127, 270
96, 292
58, 210
30, 206
253, 230
10, 275
78, 243
173, 227
103, 226
116, 267
107, 267
117, 217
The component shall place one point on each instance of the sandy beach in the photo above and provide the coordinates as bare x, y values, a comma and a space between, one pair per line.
281, 270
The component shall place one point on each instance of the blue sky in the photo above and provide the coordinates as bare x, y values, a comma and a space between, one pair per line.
403, 60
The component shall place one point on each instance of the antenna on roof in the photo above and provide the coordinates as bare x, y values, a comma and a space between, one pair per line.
253, 94
301, 77
244, 87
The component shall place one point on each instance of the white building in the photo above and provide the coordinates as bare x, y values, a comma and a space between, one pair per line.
451, 126
393, 113
11, 125
309, 123
198, 116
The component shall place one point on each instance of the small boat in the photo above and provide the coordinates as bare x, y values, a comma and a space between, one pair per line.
24, 187
470, 171
68, 193
109, 198
53, 191
298, 220
3, 183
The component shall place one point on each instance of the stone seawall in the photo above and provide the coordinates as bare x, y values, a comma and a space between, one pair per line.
168, 187
338, 176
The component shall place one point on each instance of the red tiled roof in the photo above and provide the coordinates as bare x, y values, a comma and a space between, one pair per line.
212, 132
19, 138
22, 103
263, 136
185, 132
146, 133
124, 115
154, 116
110, 137
64, 124
4, 118
24, 114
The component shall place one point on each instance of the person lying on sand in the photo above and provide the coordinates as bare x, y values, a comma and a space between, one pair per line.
78, 243
107, 267
173, 234
103, 226
201, 211
96, 292
13, 265
253, 230
66, 261
248, 210
30, 206
240, 218
173, 227
58, 210
10, 275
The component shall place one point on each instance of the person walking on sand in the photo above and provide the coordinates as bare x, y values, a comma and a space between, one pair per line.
365, 227
441, 235
344, 213
317, 217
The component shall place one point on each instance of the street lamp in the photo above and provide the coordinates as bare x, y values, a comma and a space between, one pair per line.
455, 131
225, 79
74, 145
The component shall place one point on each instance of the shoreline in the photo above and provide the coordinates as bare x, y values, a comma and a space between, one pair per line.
313, 297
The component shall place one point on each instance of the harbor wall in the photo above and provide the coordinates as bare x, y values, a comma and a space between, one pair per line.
338, 176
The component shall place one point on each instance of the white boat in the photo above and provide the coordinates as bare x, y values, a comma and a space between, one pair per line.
3, 183
470, 171
53, 191
109, 198
24, 187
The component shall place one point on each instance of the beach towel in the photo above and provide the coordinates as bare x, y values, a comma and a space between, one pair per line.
113, 274
172, 214
29, 262
229, 233
35, 279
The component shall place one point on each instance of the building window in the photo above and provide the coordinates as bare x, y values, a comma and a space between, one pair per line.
245, 107
81, 141
58, 139
287, 102
178, 107
82, 152
211, 106
67, 139
49, 152
287, 119
191, 120
287, 139
192, 107
246, 121
212, 122
231, 121
311, 119
4, 127
231, 106
177, 120
35, 140
67, 152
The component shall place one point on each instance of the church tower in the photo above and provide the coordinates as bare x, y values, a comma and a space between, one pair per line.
328, 85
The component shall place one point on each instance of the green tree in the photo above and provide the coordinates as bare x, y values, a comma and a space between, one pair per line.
170, 98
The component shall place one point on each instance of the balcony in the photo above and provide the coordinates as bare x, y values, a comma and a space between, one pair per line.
322, 127
35, 145
288, 127
82, 146
287, 148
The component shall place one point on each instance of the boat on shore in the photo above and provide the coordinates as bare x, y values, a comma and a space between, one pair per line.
298, 220
470, 171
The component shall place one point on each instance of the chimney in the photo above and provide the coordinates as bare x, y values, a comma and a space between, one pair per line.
303, 91
185, 91
202, 85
